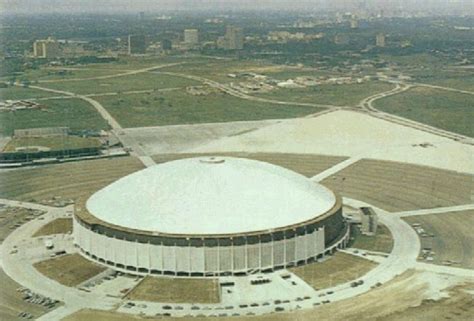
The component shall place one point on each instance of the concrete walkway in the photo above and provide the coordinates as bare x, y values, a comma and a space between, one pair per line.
336, 168
439, 210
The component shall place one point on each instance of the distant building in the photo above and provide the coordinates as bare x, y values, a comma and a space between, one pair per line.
232, 40
191, 37
166, 44
141, 15
136, 44
380, 40
341, 39
369, 221
48, 48
354, 23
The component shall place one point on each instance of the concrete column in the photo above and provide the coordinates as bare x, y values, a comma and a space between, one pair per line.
218, 257
273, 251
246, 254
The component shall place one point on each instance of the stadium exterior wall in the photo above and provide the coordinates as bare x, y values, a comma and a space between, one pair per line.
194, 255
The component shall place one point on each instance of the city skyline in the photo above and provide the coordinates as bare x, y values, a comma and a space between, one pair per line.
465, 7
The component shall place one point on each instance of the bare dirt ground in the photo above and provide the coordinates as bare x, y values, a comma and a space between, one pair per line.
398, 187
452, 237
58, 226
308, 165
176, 290
64, 181
400, 299
338, 269
12, 303
69, 270
381, 242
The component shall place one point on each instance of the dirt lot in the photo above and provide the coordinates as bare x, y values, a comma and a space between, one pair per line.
381, 242
13, 217
398, 187
308, 165
58, 226
399, 299
339, 268
11, 301
67, 181
453, 237
176, 290
69, 270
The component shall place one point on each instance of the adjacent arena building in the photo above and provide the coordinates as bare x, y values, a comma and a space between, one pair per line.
210, 216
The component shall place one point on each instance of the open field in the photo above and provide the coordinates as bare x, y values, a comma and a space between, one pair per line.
52, 143
13, 217
66, 73
58, 226
68, 181
447, 110
453, 237
218, 70
18, 93
142, 81
12, 303
381, 242
399, 299
308, 165
69, 270
399, 187
176, 290
339, 268
73, 113
339, 95
174, 108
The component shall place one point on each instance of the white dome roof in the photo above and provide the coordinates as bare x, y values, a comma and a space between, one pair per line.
210, 196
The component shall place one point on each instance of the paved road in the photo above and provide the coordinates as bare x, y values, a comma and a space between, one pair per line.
444, 88
123, 74
129, 142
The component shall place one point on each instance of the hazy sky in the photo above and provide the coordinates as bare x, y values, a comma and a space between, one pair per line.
46, 6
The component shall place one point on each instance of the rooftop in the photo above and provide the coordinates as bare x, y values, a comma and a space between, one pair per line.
210, 195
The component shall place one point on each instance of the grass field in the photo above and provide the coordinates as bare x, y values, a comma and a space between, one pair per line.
397, 186
59, 74
443, 109
339, 268
339, 95
75, 180
381, 242
453, 237
58, 226
69, 270
73, 113
142, 81
18, 93
218, 70
173, 108
53, 143
176, 290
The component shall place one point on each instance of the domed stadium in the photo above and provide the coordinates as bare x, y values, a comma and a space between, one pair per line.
210, 216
